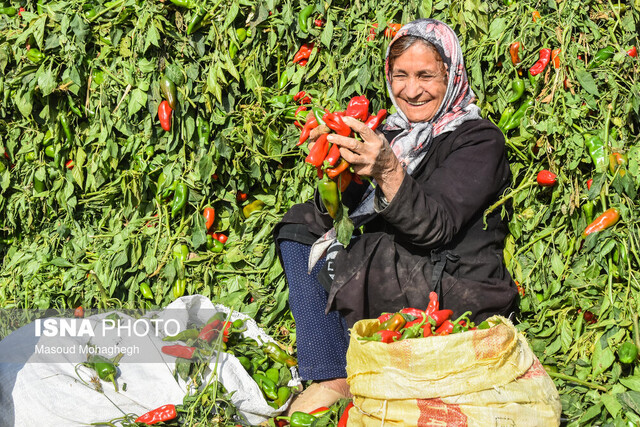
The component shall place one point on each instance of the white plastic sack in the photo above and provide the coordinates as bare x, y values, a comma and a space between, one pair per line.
35, 391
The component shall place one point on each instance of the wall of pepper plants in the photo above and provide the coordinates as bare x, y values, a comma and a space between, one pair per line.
103, 189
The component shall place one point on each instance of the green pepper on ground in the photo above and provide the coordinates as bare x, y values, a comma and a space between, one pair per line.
105, 368
180, 197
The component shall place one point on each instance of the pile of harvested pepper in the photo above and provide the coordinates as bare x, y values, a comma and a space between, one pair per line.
417, 323
333, 171
267, 364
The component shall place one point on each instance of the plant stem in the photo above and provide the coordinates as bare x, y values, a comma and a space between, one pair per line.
577, 381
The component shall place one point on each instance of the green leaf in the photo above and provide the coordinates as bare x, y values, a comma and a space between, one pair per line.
603, 357
426, 7
587, 82
46, 81
611, 403
632, 383
137, 101
327, 34
631, 399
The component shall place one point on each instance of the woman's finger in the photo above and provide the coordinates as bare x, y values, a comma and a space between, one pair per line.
315, 133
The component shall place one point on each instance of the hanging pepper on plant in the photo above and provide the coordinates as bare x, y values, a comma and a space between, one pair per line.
303, 17
168, 90
596, 149
516, 118
164, 115
517, 85
514, 49
204, 129
180, 197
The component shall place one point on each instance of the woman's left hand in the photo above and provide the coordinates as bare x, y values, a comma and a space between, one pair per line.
372, 156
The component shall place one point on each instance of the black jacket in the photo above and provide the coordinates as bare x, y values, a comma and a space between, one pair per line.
432, 229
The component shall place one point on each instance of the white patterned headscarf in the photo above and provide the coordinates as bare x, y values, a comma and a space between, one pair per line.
412, 143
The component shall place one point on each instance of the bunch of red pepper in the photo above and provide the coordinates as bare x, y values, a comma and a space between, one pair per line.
417, 323
326, 157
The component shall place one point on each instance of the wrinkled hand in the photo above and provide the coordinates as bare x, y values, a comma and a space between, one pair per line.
370, 157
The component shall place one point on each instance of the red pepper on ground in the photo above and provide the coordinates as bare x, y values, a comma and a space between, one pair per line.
555, 57
163, 413
605, 220
78, 312
546, 178
209, 216
633, 52
513, 52
539, 66
178, 350
303, 54
210, 331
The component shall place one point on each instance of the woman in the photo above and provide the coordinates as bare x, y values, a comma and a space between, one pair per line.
437, 166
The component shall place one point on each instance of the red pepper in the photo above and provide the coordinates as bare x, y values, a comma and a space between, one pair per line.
539, 66
384, 317
344, 179
78, 312
633, 52
374, 121
226, 331
318, 152
446, 328
336, 124
69, 164
427, 331
536, 15
241, 197
345, 416
209, 216
605, 220
386, 336
513, 52
334, 172
440, 316
589, 183
303, 63
298, 96
164, 114
333, 156
318, 22
391, 30
358, 108
163, 413
222, 238
311, 124
372, 32
320, 410
546, 178
303, 54
210, 331
555, 57
395, 323
434, 305
178, 350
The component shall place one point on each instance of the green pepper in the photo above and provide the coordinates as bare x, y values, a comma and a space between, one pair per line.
65, 127
180, 197
196, 20
179, 287
73, 107
50, 151
303, 16
254, 206
601, 56
9, 11
318, 113
30, 156
187, 334
245, 362
34, 55
516, 118
267, 386
330, 196
48, 138
145, 290
505, 117
204, 129
596, 149
104, 367
518, 89
241, 33
279, 355
189, 4
168, 89
301, 419
214, 245
273, 374
283, 395
282, 99
628, 352
282, 82
181, 252
587, 208
233, 49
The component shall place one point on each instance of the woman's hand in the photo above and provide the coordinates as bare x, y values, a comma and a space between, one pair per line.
370, 157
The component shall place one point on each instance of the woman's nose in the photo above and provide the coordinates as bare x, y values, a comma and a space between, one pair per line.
413, 88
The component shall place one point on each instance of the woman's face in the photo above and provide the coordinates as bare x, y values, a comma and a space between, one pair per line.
418, 82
